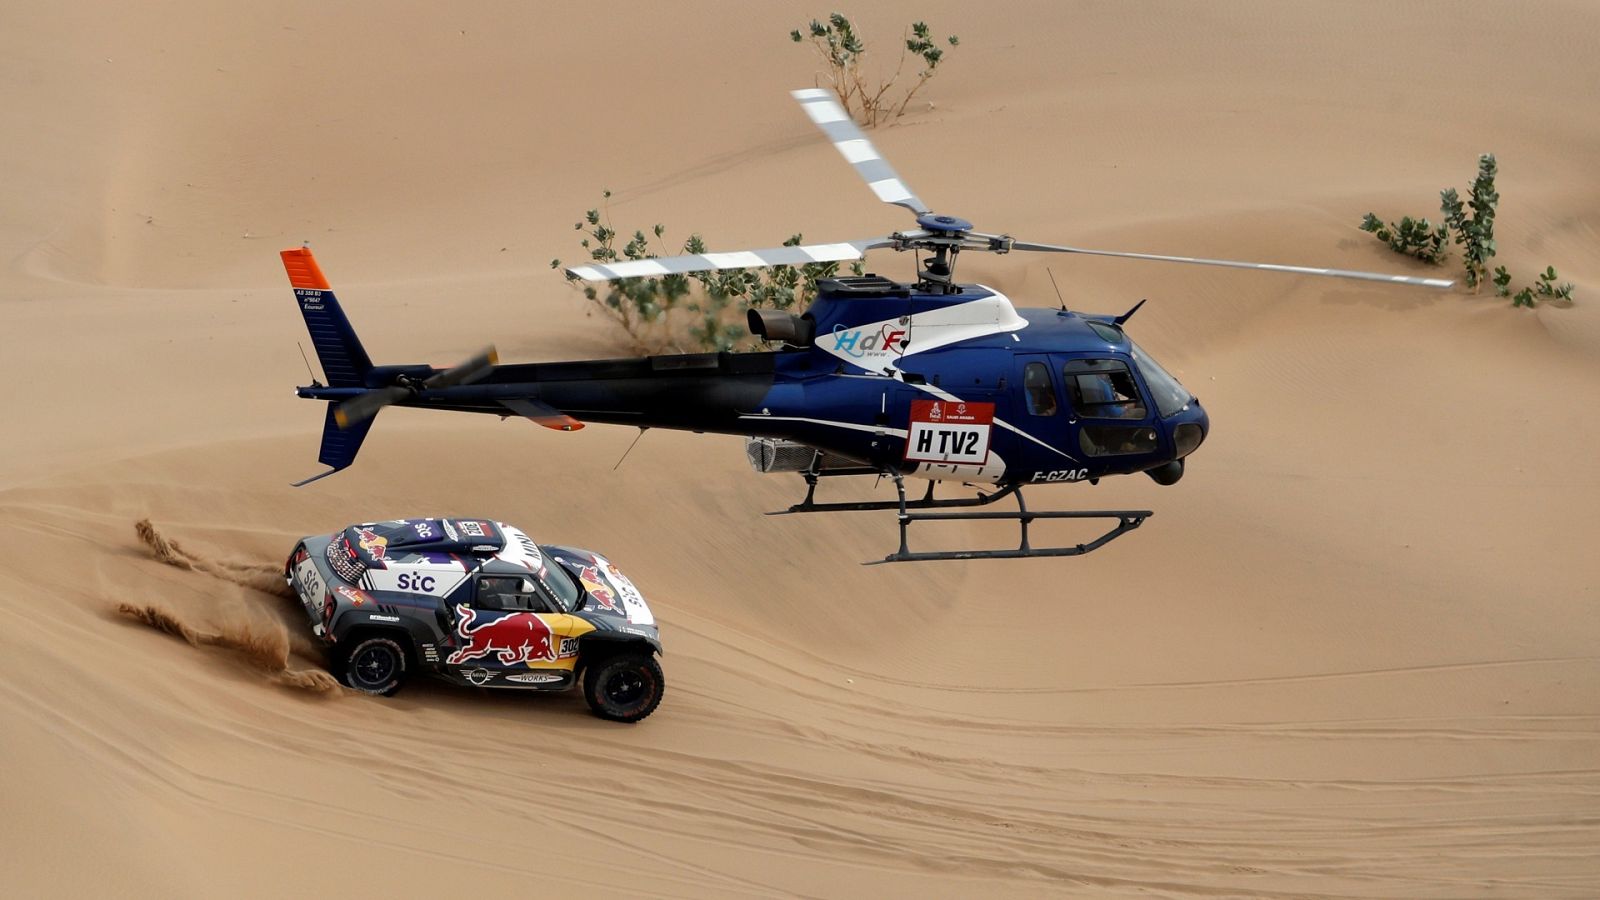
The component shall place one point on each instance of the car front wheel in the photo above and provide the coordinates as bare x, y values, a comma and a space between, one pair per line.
374, 665
625, 687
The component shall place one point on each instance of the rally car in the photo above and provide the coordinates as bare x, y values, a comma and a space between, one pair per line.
477, 602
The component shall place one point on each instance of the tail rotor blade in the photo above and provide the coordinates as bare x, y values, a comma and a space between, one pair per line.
473, 369
1236, 264
801, 255
828, 115
362, 407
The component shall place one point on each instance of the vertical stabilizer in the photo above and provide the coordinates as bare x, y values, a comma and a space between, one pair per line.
344, 361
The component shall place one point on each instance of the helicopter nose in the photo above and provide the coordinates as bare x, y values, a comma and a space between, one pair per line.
1191, 432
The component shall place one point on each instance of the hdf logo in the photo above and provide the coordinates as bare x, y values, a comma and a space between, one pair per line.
857, 343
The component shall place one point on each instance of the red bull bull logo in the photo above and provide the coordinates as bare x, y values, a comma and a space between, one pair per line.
514, 637
590, 576
373, 543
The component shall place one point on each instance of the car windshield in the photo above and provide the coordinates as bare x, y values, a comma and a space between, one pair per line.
559, 583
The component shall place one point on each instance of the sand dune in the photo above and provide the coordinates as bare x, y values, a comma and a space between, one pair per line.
1351, 655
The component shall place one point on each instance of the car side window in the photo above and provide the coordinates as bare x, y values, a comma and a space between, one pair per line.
498, 592
535, 600
510, 593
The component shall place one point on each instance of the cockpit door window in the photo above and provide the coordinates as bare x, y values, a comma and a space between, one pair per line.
1102, 389
1040, 392
1104, 394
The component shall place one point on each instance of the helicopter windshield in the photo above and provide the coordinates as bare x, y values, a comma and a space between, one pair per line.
1170, 396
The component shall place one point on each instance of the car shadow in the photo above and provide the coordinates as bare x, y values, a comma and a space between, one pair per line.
565, 707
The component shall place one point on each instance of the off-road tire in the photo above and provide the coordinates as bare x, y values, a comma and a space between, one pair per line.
625, 687
374, 664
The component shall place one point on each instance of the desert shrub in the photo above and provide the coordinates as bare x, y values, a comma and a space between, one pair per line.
1545, 288
1472, 224
1412, 237
1475, 233
843, 50
696, 311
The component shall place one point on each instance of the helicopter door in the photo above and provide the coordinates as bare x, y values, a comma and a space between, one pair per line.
1041, 415
1106, 410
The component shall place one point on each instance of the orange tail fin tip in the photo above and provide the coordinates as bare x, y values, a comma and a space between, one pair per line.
303, 269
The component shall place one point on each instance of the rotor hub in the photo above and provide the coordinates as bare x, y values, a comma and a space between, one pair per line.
943, 224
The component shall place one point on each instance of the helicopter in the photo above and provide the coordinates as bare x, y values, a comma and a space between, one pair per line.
933, 380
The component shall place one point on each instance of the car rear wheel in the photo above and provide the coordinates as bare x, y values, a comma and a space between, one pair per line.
376, 664
625, 687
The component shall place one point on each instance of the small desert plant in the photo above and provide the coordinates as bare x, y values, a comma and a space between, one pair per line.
1475, 233
1412, 237
638, 305
837, 42
1543, 289
692, 311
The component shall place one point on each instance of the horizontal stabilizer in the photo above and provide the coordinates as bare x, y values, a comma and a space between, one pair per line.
339, 445
542, 413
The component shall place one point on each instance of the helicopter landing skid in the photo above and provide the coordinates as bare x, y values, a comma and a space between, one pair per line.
1127, 520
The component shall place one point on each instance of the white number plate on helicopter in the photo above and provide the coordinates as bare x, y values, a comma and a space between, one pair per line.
949, 431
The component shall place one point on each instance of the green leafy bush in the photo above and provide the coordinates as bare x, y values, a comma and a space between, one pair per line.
1473, 231
842, 49
696, 311
1543, 289
1413, 237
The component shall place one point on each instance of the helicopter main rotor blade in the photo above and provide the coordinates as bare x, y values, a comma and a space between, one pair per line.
1236, 264
829, 116
800, 255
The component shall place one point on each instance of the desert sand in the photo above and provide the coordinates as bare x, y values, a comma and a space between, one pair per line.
1352, 655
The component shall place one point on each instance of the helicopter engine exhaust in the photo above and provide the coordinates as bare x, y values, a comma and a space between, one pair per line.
768, 455
773, 325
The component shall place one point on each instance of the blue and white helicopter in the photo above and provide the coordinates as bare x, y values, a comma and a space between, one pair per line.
934, 379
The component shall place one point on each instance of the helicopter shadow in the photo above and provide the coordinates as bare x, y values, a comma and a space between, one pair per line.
1378, 296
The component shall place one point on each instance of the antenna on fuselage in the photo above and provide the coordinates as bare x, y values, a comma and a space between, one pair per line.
1057, 287
635, 443
314, 381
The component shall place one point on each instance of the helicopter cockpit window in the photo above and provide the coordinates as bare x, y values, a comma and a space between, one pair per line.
1171, 396
1107, 333
1102, 389
1041, 393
